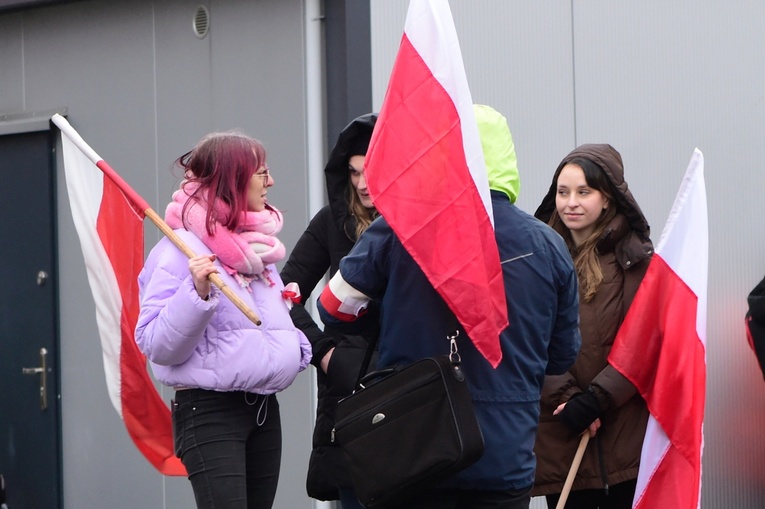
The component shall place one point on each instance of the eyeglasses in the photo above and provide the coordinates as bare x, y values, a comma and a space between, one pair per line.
266, 173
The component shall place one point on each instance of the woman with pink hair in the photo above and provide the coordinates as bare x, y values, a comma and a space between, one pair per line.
225, 370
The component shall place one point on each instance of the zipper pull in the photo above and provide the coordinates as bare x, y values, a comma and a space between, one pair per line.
332, 436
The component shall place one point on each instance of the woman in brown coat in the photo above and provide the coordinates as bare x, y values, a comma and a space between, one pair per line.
590, 205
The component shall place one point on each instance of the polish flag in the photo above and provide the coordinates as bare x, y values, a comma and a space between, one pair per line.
661, 349
426, 175
108, 216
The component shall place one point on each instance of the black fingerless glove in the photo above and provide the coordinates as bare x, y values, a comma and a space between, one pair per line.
580, 412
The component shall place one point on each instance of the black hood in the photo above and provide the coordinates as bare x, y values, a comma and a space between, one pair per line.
755, 322
353, 140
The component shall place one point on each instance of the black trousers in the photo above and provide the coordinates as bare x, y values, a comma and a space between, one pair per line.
619, 497
469, 499
231, 446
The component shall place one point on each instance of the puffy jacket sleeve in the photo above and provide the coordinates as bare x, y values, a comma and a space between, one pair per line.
173, 317
306, 266
611, 387
558, 389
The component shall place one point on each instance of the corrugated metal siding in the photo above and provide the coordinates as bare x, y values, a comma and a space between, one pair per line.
142, 89
655, 79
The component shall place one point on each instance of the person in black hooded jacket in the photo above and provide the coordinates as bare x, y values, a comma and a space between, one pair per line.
755, 322
337, 356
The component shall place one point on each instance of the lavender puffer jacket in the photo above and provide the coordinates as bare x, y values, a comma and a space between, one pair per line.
211, 344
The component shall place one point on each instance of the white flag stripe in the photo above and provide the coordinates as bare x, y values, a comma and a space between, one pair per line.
430, 35
689, 260
684, 247
655, 446
85, 189
75, 138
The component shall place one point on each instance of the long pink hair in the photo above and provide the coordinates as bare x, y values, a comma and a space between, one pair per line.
222, 165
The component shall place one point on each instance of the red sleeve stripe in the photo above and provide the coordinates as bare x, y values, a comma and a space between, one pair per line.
342, 301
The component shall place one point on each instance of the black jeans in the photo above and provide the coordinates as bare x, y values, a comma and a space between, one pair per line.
231, 446
619, 497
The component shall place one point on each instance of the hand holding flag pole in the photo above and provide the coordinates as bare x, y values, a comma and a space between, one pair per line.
214, 278
143, 208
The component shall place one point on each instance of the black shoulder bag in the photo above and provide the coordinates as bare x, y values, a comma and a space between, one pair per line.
405, 430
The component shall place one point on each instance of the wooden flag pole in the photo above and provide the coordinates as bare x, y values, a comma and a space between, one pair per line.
142, 205
214, 278
573, 470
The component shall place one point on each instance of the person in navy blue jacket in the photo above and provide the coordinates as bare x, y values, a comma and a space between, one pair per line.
543, 336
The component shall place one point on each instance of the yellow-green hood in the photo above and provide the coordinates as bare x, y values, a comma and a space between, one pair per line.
498, 151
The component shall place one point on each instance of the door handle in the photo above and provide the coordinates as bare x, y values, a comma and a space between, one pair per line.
41, 370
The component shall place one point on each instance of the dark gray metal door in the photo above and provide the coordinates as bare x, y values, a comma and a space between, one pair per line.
30, 445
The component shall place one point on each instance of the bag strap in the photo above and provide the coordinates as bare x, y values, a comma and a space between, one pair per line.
367, 359
454, 355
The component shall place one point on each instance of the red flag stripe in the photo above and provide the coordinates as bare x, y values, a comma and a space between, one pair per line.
673, 471
421, 181
135, 201
120, 229
661, 349
110, 229
664, 380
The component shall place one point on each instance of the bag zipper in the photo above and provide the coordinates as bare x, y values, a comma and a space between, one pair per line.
334, 428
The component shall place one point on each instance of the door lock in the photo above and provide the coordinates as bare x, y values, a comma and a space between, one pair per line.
41, 370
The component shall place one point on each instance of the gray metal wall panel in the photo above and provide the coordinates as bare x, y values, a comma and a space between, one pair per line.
519, 61
142, 89
656, 80
183, 103
258, 79
11, 64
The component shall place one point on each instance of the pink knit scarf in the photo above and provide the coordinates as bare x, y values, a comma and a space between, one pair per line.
243, 253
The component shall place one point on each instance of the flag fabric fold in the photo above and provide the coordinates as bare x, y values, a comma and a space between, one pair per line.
426, 175
661, 349
109, 224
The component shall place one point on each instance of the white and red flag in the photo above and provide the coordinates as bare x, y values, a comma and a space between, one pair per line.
108, 216
426, 175
661, 349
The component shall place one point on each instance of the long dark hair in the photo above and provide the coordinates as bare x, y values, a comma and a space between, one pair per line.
586, 254
363, 215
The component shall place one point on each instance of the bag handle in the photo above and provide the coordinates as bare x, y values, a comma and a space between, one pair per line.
365, 377
380, 373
